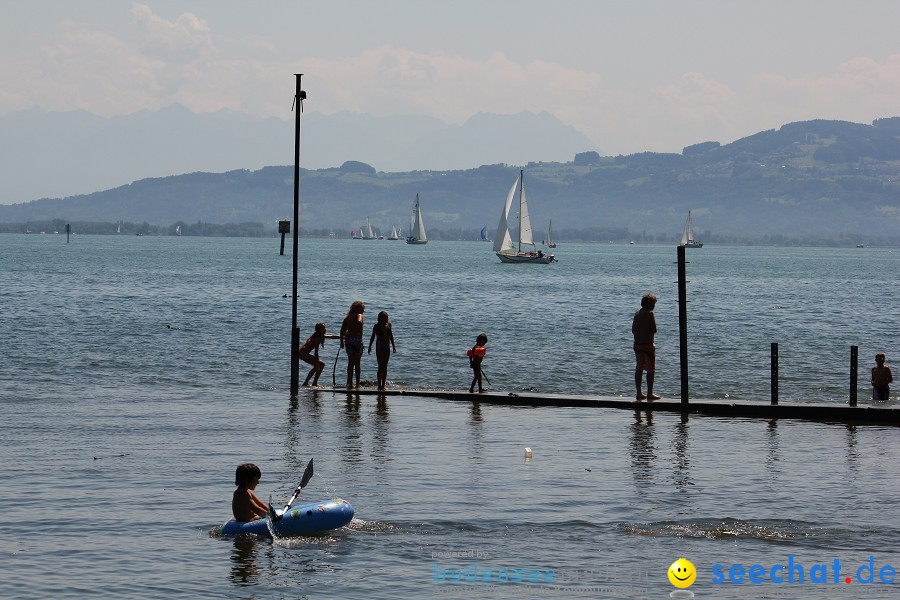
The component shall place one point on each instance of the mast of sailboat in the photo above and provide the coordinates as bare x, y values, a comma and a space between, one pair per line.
521, 191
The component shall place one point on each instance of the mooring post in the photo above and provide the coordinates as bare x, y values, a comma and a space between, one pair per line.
299, 97
68, 230
283, 228
682, 325
774, 372
854, 357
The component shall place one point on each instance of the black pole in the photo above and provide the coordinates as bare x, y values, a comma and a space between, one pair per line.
299, 95
854, 358
682, 324
68, 230
774, 372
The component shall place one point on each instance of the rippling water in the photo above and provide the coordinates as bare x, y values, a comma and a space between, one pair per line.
137, 372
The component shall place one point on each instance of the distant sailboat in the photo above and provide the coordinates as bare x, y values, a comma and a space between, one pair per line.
550, 242
178, 230
365, 232
118, 227
687, 238
484, 237
393, 235
416, 225
503, 245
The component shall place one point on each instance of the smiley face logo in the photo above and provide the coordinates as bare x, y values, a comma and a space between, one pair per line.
682, 573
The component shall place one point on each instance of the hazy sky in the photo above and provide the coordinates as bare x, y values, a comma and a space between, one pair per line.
632, 75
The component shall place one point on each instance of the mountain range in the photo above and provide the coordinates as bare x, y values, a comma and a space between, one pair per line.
810, 178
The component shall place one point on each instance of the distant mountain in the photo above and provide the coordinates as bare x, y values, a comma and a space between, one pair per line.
812, 178
46, 154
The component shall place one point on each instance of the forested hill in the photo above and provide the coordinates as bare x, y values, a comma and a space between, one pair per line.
808, 178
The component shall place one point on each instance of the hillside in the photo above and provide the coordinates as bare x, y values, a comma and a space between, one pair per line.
808, 178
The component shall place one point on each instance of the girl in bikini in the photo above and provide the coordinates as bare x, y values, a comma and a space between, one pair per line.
352, 339
383, 336
309, 352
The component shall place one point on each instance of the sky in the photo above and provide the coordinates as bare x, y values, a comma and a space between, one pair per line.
631, 75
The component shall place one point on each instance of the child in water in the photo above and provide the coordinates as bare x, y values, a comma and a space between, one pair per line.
881, 377
352, 339
245, 505
476, 356
383, 336
309, 352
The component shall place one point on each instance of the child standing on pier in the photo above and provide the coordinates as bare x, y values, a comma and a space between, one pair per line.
881, 377
476, 356
309, 352
383, 336
246, 505
352, 339
643, 326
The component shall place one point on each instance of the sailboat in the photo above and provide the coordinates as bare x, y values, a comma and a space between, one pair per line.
687, 238
178, 230
365, 232
416, 226
393, 235
550, 242
503, 245
484, 237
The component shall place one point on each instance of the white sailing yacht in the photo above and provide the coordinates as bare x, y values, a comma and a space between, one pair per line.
550, 242
365, 232
503, 245
687, 238
393, 235
416, 226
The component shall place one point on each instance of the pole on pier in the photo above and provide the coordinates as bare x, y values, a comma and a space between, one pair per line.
283, 228
68, 231
774, 373
299, 97
854, 358
682, 325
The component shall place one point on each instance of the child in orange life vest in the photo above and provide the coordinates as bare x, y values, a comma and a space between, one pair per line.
476, 356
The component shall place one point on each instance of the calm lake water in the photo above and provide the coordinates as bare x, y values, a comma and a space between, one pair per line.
137, 372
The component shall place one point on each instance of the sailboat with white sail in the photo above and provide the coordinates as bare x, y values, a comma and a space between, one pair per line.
504, 247
416, 225
687, 237
365, 232
394, 235
550, 242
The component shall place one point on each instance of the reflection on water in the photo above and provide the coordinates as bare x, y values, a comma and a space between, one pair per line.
381, 433
681, 476
643, 449
244, 564
350, 449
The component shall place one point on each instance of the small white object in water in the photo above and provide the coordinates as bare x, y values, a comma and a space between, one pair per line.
527, 452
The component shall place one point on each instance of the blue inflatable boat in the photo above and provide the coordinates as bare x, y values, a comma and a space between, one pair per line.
298, 520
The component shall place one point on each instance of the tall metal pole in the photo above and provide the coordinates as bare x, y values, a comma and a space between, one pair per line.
299, 96
682, 324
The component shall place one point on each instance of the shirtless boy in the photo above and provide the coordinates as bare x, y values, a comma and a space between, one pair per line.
245, 505
643, 326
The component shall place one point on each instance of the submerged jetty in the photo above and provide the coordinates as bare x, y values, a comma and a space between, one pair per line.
864, 415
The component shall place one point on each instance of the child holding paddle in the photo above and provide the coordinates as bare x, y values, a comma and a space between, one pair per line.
245, 505
383, 336
309, 352
476, 356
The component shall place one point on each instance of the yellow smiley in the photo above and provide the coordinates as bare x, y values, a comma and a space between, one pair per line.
682, 573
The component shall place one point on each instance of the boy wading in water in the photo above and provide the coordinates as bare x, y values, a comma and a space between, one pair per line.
352, 339
476, 356
246, 505
643, 326
881, 377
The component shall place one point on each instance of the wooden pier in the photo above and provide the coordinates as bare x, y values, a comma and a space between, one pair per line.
867, 415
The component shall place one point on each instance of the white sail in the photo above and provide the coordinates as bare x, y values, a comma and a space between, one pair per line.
369, 233
525, 234
420, 223
394, 235
688, 235
502, 241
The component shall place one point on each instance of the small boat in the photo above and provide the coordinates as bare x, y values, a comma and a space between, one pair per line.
503, 245
365, 232
178, 230
306, 519
393, 235
687, 238
550, 242
860, 245
416, 225
484, 237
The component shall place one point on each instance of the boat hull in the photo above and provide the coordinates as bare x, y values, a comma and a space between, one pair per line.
526, 257
415, 241
298, 520
694, 245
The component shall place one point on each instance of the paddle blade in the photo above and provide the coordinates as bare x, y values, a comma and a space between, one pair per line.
307, 474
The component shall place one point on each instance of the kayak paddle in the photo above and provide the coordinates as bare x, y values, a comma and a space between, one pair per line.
307, 475
334, 368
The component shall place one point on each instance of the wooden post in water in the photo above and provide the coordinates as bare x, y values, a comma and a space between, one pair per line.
854, 357
299, 97
283, 228
774, 372
68, 231
682, 325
